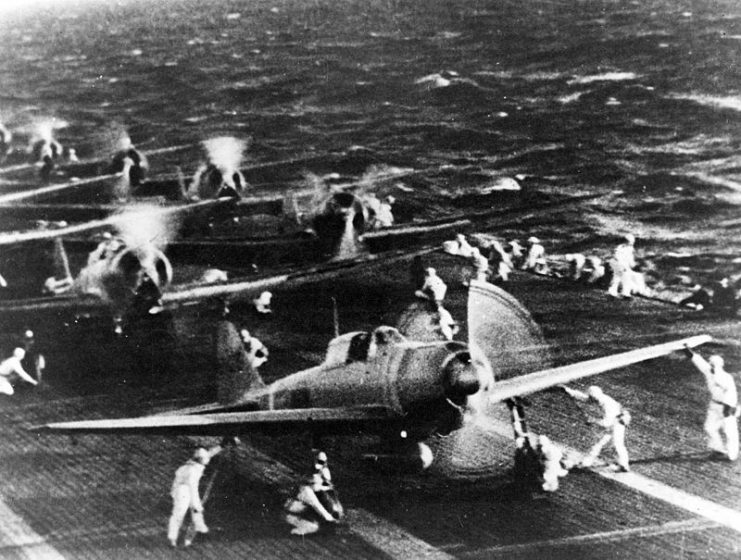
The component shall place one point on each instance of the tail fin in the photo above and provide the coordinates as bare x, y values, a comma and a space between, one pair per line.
235, 375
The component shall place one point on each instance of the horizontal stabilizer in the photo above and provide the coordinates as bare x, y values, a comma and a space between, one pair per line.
226, 423
544, 379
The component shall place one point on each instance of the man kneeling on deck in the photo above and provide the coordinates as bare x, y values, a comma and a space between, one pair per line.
535, 467
12, 366
315, 502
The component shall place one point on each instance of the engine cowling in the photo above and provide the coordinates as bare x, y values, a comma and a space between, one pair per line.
130, 274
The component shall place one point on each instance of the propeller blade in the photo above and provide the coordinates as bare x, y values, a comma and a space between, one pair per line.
502, 330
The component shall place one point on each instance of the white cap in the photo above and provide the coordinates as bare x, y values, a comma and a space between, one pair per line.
245, 334
595, 392
202, 456
630, 238
716, 361
431, 271
28, 333
321, 457
533, 240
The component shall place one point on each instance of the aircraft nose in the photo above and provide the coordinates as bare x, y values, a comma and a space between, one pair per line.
460, 378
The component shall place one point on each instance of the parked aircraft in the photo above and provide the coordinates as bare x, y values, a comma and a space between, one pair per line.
424, 398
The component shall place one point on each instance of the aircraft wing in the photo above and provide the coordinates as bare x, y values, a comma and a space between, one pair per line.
231, 423
185, 295
79, 305
544, 379
14, 238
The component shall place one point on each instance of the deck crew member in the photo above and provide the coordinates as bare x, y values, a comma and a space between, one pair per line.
517, 253
257, 353
56, 286
434, 288
527, 468
263, 302
384, 215
723, 410
622, 263
724, 298
34, 359
551, 458
12, 366
372, 205
464, 247
576, 265
448, 326
637, 279
214, 276
597, 271
320, 466
535, 257
480, 265
186, 495
699, 299
70, 155
613, 422
500, 262
315, 502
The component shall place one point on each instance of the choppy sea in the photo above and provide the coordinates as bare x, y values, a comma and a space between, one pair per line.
637, 100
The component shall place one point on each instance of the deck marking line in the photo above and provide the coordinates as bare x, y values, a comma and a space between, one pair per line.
668, 528
376, 531
674, 496
16, 532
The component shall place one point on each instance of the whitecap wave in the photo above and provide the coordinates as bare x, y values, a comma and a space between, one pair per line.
542, 76
605, 77
565, 99
692, 146
732, 102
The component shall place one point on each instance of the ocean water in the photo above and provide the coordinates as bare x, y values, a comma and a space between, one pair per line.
637, 101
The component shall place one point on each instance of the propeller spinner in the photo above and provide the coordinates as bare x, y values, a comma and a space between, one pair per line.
504, 341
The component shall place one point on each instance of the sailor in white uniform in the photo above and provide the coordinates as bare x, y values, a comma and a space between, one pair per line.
12, 366
186, 495
723, 411
434, 288
622, 263
550, 459
257, 353
613, 422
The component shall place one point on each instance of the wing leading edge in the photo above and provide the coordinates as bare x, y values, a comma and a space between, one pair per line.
544, 379
233, 423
